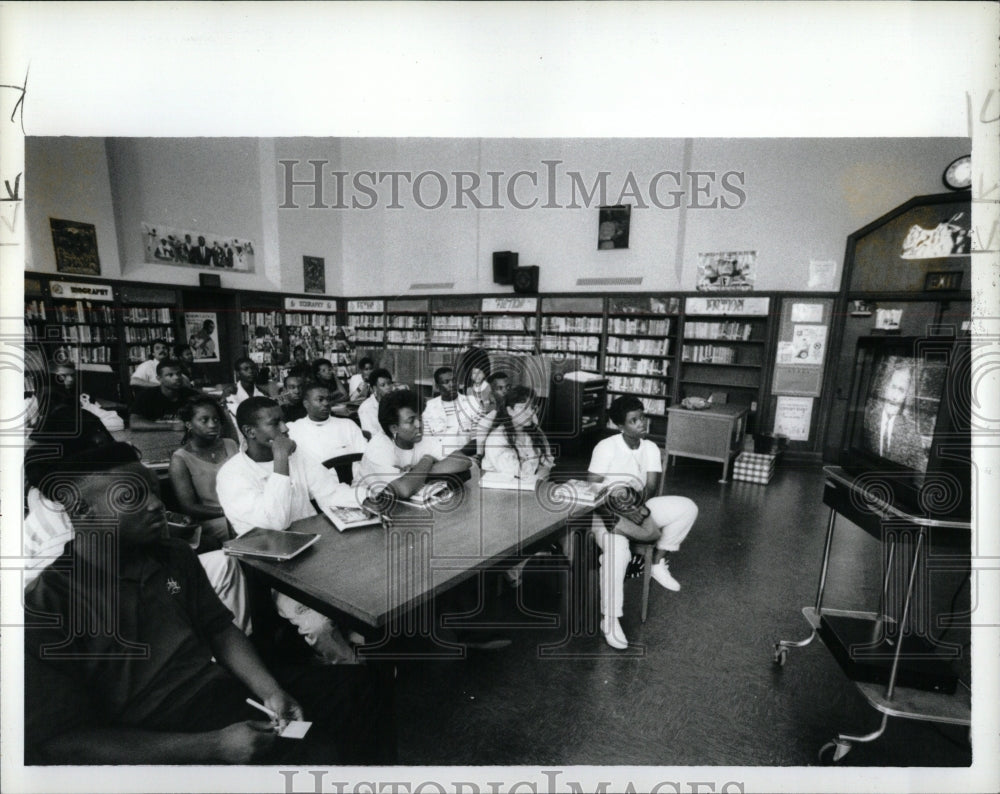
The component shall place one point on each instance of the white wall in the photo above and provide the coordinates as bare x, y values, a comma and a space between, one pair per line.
803, 197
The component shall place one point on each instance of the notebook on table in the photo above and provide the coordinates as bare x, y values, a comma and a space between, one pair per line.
350, 517
270, 544
507, 482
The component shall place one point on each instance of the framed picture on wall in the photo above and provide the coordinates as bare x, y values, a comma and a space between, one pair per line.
75, 246
613, 226
171, 245
314, 274
202, 332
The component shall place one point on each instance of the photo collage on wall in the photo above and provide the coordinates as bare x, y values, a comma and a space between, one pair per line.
168, 245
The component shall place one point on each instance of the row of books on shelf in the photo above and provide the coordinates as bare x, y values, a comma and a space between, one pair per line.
393, 336
407, 321
139, 353
147, 315
454, 322
652, 387
34, 310
448, 336
571, 344
272, 319
726, 330
579, 325
644, 347
102, 354
524, 344
83, 312
297, 319
137, 334
369, 320
708, 354
373, 335
495, 322
89, 333
638, 325
636, 366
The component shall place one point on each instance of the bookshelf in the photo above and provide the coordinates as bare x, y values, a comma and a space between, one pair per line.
453, 323
367, 320
82, 317
147, 313
312, 323
573, 326
262, 320
509, 325
406, 323
640, 351
724, 348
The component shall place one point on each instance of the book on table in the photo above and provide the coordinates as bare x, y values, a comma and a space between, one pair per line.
507, 482
270, 544
350, 517
583, 492
429, 494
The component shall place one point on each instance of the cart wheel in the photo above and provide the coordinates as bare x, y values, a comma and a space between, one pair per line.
832, 752
780, 655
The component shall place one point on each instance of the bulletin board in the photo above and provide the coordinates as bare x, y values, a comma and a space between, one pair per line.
803, 340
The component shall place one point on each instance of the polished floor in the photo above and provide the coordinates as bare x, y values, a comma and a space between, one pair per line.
698, 687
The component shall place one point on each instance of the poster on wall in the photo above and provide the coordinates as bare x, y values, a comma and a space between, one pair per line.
75, 246
168, 245
613, 227
792, 417
314, 274
202, 333
727, 270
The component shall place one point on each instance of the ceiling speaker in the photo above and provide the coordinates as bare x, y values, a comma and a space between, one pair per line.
504, 263
526, 280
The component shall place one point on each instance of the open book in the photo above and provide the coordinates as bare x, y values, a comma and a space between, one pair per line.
429, 494
350, 517
270, 544
583, 492
507, 482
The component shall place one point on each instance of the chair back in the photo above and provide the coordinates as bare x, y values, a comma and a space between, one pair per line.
344, 466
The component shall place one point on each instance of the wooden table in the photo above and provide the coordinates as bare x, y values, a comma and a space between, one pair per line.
715, 433
156, 446
379, 574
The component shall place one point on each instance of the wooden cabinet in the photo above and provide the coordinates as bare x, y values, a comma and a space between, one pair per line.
715, 433
576, 414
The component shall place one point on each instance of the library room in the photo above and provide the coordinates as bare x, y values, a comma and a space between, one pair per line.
502, 451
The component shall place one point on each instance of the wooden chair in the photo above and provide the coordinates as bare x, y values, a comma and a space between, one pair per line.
646, 550
344, 466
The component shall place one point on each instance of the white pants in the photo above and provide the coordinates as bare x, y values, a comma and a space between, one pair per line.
227, 581
675, 515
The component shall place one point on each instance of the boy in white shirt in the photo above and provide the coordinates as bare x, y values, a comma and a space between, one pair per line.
323, 436
358, 387
145, 374
451, 417
381, 384
630, 464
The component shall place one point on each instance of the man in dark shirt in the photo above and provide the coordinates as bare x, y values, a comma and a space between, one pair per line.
291, 398
144, 688
156, 409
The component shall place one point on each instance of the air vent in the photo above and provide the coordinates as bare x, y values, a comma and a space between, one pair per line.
609, 282
433, 285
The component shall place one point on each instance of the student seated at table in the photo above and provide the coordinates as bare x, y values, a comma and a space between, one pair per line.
321, 435
324, 372
516, 445
246, 384
156, 409
499, 383
401, 458
290, 398
381, 384
630, 464
450, 417
167, 684
145, 375
270, 485
185, 355
478, 390
194, 467
358, 387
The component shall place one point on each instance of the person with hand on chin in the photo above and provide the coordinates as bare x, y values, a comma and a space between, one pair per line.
167, 682
629, 464
156, 409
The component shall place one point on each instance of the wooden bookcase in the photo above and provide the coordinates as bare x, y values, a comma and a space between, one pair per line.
367, 319
573, 327
510, 325
406, 323
453, 323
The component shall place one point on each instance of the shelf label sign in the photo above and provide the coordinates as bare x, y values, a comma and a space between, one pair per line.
371, 307
753, 306
310, 305
74, 290
501, 305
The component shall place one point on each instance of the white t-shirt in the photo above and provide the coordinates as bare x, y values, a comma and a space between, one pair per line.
384, 462
328, 439
368, 416
613, 460
453, 422
354, 385
146, 371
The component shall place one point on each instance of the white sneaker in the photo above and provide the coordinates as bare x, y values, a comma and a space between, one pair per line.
661, 573
613, 634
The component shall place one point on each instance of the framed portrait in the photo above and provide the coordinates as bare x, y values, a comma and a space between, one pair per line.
202, 332
75, 246
613, 226
170, 245
314, 274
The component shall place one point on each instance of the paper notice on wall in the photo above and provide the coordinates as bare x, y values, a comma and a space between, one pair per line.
792, 417
807, 312
807, 346
822, 274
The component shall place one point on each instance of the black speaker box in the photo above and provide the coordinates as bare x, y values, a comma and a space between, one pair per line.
526, 280
213, 280
504, 263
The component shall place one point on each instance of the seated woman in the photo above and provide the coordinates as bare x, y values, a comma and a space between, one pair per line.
323, 372
479, 392
630, 464
194, 466
515, 444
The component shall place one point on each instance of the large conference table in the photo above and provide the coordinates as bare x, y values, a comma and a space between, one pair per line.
378, 575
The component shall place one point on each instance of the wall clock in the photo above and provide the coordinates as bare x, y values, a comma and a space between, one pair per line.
958, 174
